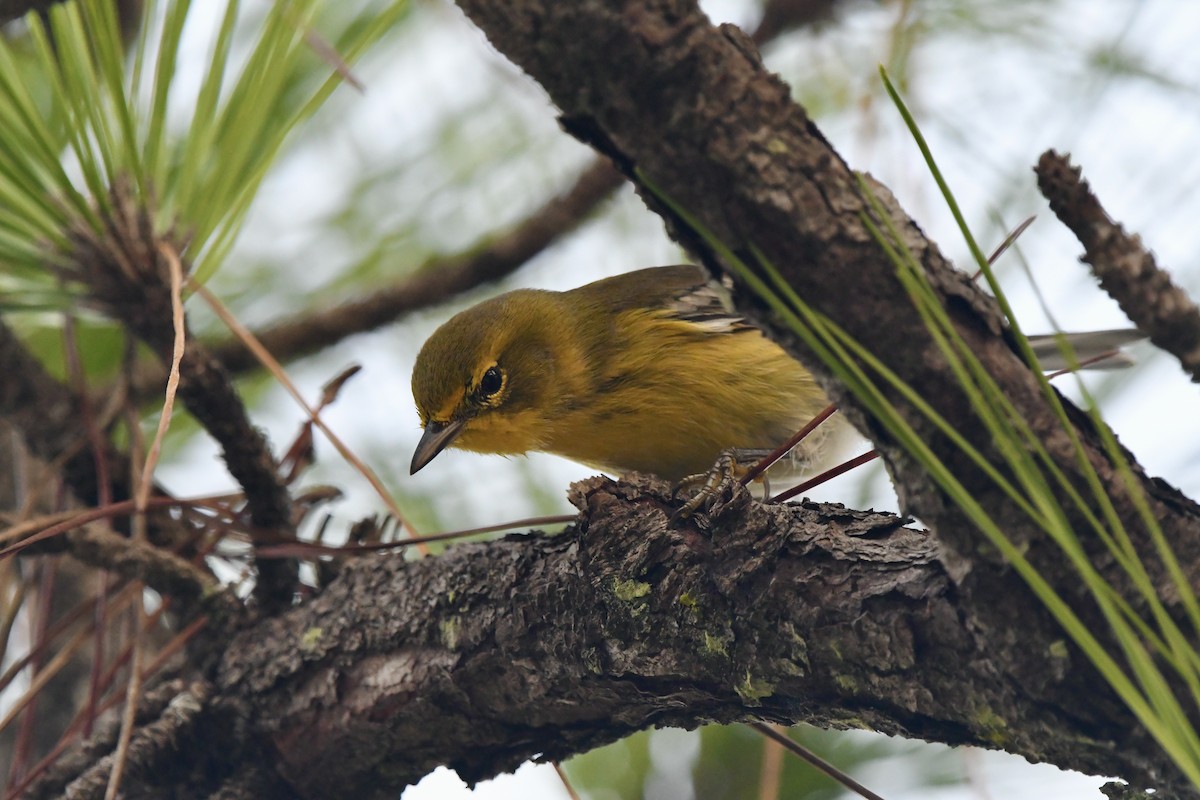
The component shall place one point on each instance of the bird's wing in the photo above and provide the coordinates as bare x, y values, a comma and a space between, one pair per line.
685, 292
708, 305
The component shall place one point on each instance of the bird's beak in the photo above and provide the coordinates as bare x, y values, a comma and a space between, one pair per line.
437, 437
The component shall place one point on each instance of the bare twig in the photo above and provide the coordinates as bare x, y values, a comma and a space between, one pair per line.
128, 273
244, 335
137, 612
566, 783
770, 772
1125, 268
814, 759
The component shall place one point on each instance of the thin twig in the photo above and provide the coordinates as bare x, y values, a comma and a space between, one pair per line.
60, 626
302, 549
243, 334
562, 776
785, 448
770, 773
39, 628
814, 759
44, 674
138, 611
1125, 268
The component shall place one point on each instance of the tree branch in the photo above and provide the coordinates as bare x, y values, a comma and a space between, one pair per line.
546, 646
435, 282
494, 653
1125, 268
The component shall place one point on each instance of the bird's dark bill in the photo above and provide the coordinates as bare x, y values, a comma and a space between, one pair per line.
437, 437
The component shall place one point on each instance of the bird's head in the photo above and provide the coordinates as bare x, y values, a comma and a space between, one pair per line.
485, 380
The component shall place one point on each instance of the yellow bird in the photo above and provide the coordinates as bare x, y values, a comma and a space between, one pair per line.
650, 371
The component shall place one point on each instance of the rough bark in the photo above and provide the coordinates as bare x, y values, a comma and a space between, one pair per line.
545, 646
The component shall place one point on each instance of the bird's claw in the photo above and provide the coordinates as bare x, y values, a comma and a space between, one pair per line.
717, 487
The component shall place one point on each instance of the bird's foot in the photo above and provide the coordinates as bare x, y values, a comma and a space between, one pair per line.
720, 484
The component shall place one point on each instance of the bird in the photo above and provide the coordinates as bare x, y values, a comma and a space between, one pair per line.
649, 371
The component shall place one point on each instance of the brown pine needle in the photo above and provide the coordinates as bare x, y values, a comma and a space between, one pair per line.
1008, 242
1085, 363
803, 752
562, 776
302, 549
785, 448
827, 475
146, 484
76, 725
43, 676
59, 627
770, 774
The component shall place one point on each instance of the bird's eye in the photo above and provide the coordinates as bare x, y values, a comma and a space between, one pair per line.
491, 382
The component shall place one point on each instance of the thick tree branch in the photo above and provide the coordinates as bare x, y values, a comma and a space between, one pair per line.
537, 646
1125, 268
498, 652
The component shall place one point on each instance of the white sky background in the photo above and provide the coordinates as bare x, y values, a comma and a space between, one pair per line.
989, 107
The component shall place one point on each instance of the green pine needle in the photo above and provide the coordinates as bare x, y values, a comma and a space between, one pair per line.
82, 115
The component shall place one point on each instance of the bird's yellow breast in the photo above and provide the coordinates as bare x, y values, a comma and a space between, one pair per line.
675, 394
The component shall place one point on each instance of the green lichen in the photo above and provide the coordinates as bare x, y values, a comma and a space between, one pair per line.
992, 726
1058, 649
688, 600
752, 691
449, 632
714, 645
777, 146
857, 723
627, 591
310, 640
845, 684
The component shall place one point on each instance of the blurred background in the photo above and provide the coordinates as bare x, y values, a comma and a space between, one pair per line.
449, 146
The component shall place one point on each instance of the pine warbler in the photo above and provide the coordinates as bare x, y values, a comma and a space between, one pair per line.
650, 371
